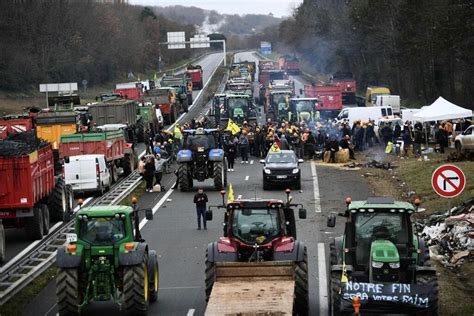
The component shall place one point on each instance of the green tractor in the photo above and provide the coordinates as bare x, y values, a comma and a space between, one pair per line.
107, 260
380, 265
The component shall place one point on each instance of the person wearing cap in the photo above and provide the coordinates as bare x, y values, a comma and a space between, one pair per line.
200, 199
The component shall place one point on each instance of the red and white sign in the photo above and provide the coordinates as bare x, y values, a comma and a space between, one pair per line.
448, 181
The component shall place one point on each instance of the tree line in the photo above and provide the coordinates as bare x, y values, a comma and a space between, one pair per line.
71, 41
420, 49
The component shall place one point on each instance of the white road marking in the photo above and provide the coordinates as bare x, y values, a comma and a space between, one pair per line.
156, 207
239, 197
323, 283
251, 162
247, 178
317, 201
191, 312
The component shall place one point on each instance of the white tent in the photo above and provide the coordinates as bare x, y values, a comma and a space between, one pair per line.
440, 110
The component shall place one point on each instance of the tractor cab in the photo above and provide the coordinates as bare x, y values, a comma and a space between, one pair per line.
239, 108
280, 104
257, 230
304, 109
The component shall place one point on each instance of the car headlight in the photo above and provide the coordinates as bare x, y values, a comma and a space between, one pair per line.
394, 265
295, 171
267, 171
377, 265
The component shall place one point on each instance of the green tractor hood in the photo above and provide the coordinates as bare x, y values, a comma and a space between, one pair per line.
384, 251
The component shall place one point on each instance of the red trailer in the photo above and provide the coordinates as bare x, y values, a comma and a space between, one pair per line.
348, 85
130, 91
9, 126
195, 73
29, 191
329, 96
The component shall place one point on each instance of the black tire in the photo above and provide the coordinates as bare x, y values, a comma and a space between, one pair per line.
127, 164
45, 210
113, 173
335, 286
332, 253
70, 204
2, 243
430, 280
58, 201
219, 175
210, 277
301, 301
153, 276
68, 292
183, 177
34, 225
136, 288
458, 147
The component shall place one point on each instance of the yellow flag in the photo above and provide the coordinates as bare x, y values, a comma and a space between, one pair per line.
155, 77
274, 148
344, 271
231, 194
177, 133
231, 126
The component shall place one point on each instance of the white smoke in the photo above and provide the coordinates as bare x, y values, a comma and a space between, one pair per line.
208, 28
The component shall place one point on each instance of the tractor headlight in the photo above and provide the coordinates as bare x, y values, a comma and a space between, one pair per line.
267, 171
295, 171
377, 265
394, 265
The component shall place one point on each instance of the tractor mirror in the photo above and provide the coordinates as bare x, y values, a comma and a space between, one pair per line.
66, 159
331, 220
302, 213
262, 161
149, 214
209, 215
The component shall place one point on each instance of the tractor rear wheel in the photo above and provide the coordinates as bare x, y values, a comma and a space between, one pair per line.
45, 210
210, 276
34, 225
68, 293
136, 289
219, 175
153, 275
334, 297
58, 201
430, 280
301, 303
183, 177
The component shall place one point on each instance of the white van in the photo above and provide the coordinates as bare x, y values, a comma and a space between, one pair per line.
365, 113
87, 173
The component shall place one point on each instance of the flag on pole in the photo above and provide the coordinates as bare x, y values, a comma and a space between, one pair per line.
231, 194
274, 148
232, 127
344, 270
177, 133
155, 77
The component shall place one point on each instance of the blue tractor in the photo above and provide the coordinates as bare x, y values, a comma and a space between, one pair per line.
201, 158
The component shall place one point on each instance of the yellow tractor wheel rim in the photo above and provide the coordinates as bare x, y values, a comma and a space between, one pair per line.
157, 279
145, 283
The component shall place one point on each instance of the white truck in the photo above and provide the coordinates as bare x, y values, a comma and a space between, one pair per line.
375, 113
388, 100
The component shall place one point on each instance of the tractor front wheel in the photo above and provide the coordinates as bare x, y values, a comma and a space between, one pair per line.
68, 292
219, 175
431, 281
210, 276
335, 296
183, 177
153, 275
301, 303
136, 289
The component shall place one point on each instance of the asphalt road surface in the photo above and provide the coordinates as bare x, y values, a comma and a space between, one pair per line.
181, 248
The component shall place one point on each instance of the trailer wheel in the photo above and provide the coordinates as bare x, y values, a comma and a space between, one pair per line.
136, 288
210, 276
34, 225
219, 175
431, 280
183, 177
153, 275
2, 243
58, 201
68, 293
45, 210
301, 303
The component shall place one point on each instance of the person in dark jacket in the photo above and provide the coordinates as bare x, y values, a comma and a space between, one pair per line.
442, 138
200, 199
231, 151
418, 140
345, 144
407, 141
332, 146
149, 173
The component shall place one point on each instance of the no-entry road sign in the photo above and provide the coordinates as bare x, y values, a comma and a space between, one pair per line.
448, 181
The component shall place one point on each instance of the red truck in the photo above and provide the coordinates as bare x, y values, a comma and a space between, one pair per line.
130, 90
290, 64
109, 142
329, 96
14, 124
30, 193
195, 73
348, 84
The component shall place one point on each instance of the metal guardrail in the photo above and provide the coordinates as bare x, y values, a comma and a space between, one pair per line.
43, 255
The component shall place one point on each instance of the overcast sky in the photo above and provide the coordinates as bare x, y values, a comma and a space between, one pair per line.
277, 7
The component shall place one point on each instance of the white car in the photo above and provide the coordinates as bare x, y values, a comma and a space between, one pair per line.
87, 173
465, 141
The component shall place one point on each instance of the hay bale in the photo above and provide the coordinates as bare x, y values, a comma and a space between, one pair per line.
342, 156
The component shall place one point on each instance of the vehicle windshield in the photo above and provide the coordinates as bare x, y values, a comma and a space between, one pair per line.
371, 226
200, 142
255, 226
102, 231
277, 75
237, 107
280, 99
305, 106
281, 158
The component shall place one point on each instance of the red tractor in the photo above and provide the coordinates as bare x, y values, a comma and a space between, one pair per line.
259, 235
